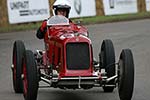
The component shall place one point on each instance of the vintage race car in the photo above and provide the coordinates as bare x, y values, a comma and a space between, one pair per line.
67, 62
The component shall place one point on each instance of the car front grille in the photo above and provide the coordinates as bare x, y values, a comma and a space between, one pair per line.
77, 56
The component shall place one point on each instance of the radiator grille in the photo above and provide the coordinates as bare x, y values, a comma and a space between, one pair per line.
78, 56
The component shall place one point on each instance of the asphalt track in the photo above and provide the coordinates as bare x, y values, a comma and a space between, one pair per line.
134, 35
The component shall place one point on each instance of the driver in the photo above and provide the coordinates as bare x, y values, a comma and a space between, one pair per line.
60, 7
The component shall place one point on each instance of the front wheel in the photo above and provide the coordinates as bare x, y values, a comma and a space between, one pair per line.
30, 78
107, 62
18, 52
126, 75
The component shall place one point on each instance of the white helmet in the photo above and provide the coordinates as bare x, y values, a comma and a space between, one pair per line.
61, 4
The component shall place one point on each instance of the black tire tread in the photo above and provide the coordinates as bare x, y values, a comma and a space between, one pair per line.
18, 49
32, 77
127, 81
109, 59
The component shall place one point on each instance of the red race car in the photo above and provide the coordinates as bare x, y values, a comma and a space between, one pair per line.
67, 63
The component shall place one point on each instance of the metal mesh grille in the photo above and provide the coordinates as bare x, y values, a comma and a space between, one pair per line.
78, 57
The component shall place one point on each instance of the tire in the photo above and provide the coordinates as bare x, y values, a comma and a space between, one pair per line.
30, 76
126, 75
18, 52
107, 62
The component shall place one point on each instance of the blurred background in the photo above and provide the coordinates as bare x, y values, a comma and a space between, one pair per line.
14, 12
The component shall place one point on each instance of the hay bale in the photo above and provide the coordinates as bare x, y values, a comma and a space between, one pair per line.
51, 6
3, 13
141, 5
99, 8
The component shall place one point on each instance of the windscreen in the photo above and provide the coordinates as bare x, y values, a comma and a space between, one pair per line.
57, 20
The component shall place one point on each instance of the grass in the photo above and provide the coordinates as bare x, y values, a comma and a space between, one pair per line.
84, 21
114, 18
19, 27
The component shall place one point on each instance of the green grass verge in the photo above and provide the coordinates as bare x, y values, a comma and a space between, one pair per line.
114, 18
19, 27
84, 21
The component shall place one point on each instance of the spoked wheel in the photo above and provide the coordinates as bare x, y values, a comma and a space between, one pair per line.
30, 76
18, 52
126, 75
107, 62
